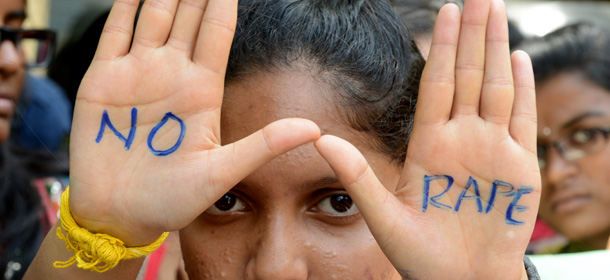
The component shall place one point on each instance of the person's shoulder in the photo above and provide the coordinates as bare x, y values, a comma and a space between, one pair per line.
45, 90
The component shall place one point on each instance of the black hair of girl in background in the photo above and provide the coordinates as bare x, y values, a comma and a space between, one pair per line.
21, 227
420, 17
580, 47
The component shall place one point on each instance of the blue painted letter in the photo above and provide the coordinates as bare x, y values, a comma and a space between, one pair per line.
155, 129
132, 130
494, 189
477, 195
513, 206
434, 199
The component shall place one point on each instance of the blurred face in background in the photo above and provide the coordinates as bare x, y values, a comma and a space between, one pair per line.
573, 124
12, 63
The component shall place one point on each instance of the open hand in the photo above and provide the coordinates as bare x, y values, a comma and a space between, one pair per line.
468, 196
145, 148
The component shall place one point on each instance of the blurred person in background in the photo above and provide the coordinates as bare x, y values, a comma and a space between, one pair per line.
22, 220
44, 116
572, 71
420, 17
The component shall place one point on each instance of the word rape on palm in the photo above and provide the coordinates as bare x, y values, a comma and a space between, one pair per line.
498, 187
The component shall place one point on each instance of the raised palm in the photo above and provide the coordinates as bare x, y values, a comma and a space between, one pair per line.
474, 126
165, 90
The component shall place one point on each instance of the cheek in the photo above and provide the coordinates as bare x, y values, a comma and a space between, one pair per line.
348, 252
352, 254
18, 80
595, 170
211, 254
365, 260
546, 191
595, 178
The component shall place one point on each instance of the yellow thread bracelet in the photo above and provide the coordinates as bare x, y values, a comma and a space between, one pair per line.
95, 251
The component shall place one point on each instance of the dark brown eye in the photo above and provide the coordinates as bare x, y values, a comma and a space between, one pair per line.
338, 205
226, 204
582, 137
341, 203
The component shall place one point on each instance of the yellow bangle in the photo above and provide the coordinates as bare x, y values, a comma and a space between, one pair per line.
95, 251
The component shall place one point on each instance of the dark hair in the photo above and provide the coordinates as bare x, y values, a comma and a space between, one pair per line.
70, 64
580, 47
21, 224
515, 37
358, 47
68, 67
420, 15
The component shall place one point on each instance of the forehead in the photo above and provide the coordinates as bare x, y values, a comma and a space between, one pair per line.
9, 6
567, 96
260, 99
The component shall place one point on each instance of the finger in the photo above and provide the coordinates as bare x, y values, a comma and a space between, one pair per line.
498, 89
245, 156
373, 200
216, 35
437, 83
470, 63
154, 24
118, 30
523, 122
186, 26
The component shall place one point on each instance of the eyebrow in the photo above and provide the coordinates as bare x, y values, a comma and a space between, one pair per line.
320, 183
582, 117
15, 15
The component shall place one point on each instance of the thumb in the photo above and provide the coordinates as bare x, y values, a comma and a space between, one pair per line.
379, 207
246, 155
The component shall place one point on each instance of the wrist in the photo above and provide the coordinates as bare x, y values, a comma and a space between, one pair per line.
95, 251
95, 213
131, 237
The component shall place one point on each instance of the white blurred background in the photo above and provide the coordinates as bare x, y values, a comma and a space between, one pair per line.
537, 18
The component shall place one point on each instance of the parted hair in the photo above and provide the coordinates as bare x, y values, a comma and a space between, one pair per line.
360, 48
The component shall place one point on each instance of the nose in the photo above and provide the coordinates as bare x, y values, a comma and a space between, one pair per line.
10, 58
279, 252
558, 169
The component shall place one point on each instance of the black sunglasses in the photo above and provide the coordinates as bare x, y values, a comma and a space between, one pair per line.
38, 46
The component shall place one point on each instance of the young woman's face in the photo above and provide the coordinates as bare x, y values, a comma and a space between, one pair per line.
12, 69
575, 193
291, 219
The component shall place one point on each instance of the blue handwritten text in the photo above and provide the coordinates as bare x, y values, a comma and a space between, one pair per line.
497, 188
151, 136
